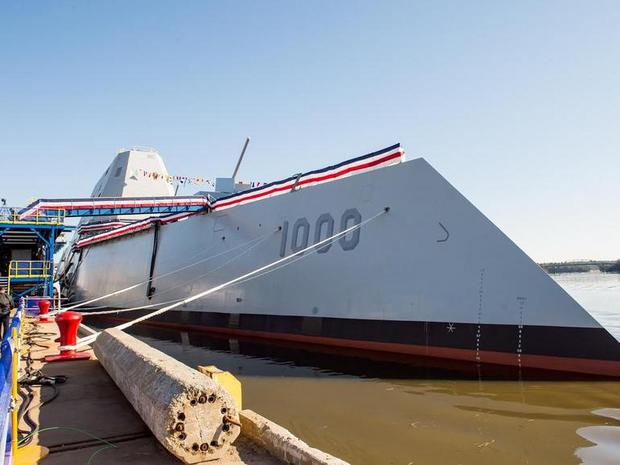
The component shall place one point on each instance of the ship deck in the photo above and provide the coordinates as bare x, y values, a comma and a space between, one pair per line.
90, 421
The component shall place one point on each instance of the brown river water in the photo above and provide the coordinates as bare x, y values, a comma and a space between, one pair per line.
382, 413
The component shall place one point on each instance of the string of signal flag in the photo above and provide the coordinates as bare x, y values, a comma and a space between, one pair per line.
185, 180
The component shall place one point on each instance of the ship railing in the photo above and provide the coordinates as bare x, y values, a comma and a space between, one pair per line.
25, 269
138, 148
10, 215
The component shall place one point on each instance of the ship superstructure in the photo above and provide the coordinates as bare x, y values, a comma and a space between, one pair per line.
427, 275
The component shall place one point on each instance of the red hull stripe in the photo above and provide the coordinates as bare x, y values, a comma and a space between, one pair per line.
609, 368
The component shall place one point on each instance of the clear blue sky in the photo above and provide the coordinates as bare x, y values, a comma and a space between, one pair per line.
516, 103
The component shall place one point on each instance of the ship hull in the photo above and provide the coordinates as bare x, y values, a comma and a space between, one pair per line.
428, 276
434, 340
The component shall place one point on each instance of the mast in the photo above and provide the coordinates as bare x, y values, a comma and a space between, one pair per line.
245, 147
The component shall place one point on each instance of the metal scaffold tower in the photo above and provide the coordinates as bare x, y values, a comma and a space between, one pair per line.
27, 248
29, 237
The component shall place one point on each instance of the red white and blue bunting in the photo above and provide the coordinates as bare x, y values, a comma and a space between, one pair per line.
381, 158
91, 227
89, 204
134, 228
388, 156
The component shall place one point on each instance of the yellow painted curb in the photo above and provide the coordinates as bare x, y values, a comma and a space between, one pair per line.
224, 379
30, 454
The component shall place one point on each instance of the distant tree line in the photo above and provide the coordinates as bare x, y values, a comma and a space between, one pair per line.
613, 268
582, 266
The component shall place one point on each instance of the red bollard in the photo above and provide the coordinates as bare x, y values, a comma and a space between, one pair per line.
68, 323
44, 308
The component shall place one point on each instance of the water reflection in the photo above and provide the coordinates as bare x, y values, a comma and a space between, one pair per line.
606, 439
379, 412
388, 412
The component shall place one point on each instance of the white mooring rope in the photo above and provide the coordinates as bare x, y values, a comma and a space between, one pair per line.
133, 286
166, 290
257, 272
132, 309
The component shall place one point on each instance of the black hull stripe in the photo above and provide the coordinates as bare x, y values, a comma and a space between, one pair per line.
554, 341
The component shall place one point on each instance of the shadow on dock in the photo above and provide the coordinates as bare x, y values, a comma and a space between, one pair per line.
90, 420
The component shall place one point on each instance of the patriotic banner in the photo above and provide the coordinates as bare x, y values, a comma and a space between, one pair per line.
134, 227
100, 226
94, 204
385, 157
388, 156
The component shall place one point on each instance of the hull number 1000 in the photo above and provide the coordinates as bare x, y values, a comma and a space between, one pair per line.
302, 232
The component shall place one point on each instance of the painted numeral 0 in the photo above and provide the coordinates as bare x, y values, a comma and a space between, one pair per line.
323, 228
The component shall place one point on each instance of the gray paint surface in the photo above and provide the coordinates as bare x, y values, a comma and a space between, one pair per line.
400, 268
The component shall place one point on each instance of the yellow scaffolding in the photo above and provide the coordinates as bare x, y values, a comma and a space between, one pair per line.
23, 271
12, 217
29, 269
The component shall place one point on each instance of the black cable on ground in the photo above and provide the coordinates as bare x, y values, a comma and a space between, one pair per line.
40, 333
26, 400
25, 413
34, 378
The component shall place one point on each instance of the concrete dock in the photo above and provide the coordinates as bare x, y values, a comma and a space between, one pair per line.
90, 421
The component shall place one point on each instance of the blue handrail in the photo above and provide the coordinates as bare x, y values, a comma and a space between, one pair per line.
7, 348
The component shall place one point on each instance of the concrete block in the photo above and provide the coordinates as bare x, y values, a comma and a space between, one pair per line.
186, 410
281, 443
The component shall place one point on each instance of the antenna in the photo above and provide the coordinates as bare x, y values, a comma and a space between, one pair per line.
245, 147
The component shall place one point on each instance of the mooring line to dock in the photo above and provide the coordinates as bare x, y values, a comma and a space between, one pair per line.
184, 267
132, 309
243, 278
165, 290
133, 286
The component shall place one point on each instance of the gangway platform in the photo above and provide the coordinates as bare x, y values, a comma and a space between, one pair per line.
29, 237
